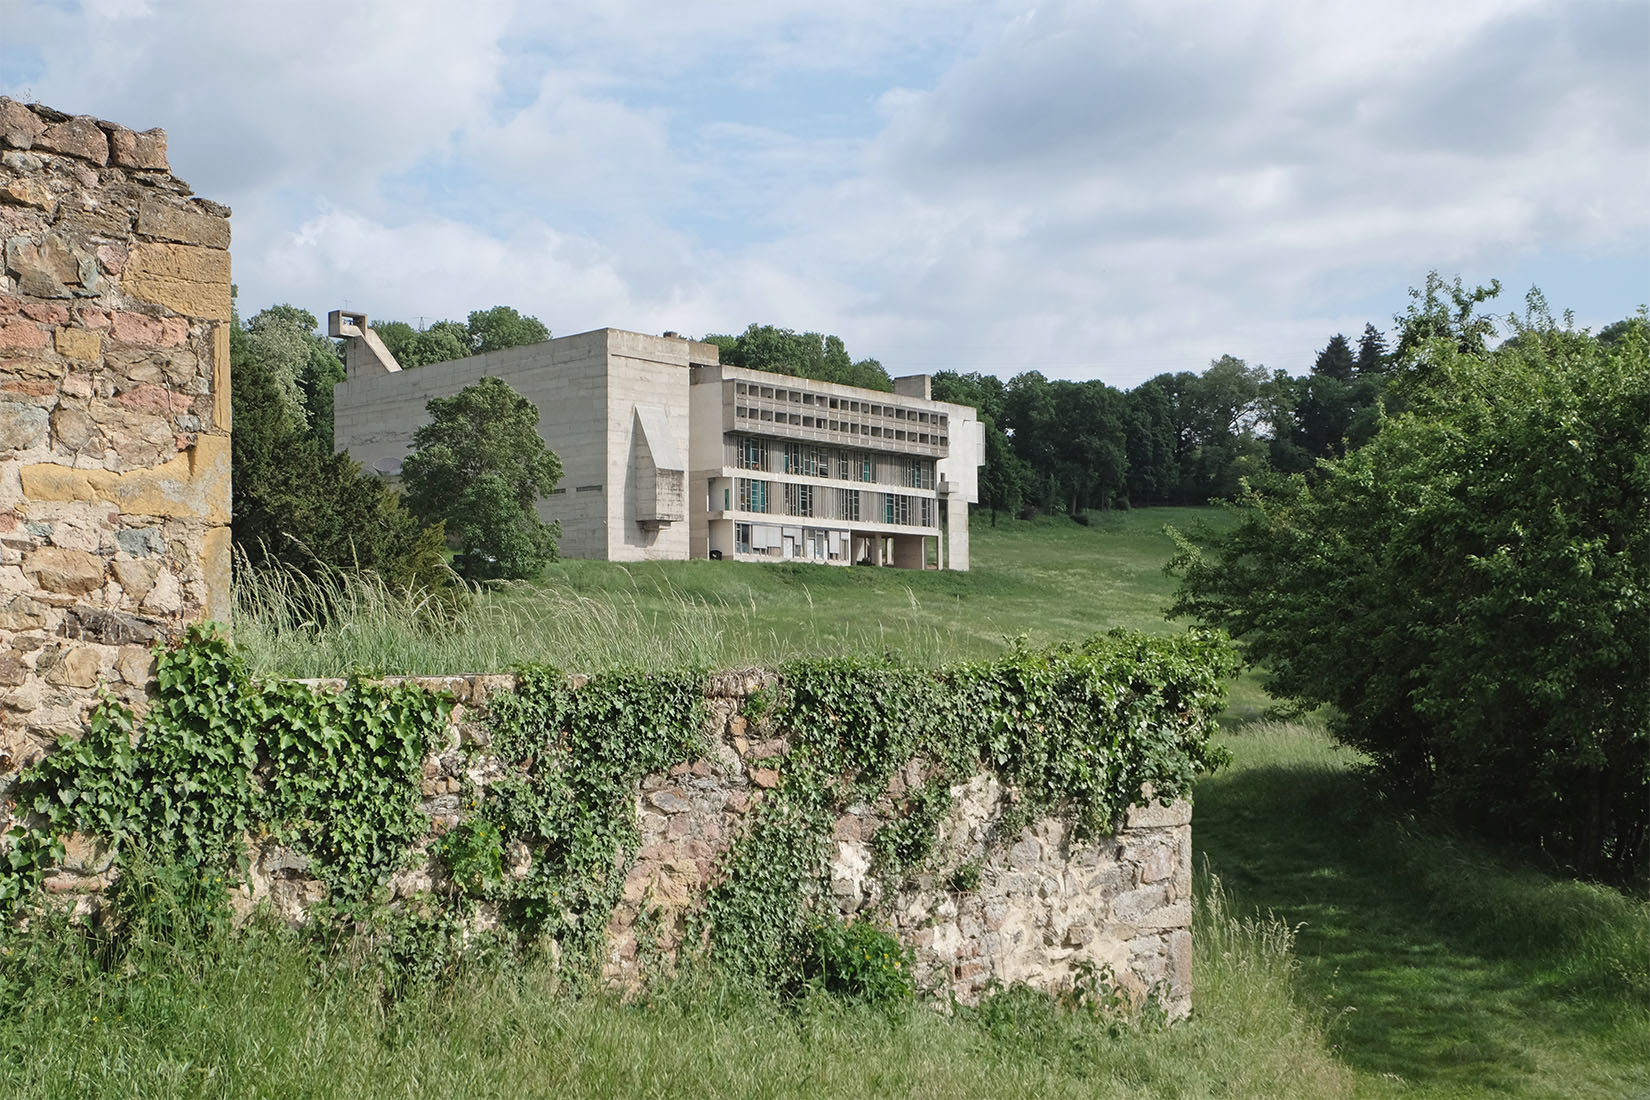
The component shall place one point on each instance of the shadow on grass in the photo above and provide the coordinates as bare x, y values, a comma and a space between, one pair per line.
1425, 987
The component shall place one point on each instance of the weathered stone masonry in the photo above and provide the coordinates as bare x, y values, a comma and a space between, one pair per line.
1041, 908
114, 418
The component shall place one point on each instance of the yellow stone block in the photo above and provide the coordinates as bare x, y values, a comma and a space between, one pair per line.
75, 343
215, 568
222, 419
194, 484
188, 278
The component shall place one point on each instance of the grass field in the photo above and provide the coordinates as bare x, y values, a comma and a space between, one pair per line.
1440, 968
1351, 951
1048, 580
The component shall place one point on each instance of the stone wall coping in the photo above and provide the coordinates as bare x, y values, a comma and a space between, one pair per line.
27, 126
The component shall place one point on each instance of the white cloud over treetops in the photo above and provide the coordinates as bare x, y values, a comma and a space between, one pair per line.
1090, 189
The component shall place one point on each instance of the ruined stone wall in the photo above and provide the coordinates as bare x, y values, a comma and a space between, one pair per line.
114, 417
1035, 906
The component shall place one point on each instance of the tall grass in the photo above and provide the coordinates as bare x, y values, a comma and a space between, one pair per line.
291, 624
1048, 581
263, 1012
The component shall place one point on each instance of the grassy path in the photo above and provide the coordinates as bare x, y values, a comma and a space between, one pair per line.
1442, 971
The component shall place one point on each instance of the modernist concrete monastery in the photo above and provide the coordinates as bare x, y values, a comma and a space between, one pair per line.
668, 454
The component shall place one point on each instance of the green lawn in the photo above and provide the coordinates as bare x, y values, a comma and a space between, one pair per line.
1419, 965
1048, 580
1441, 968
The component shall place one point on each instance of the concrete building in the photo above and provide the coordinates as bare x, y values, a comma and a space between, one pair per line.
668, 454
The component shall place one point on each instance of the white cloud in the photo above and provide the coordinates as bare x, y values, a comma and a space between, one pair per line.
301, 94
1091, 189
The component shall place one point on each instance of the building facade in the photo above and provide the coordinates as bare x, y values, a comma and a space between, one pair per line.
668, 454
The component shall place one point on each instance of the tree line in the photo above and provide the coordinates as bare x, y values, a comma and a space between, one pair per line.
1178, 438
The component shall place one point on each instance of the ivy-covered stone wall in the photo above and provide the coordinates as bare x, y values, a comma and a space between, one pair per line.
1020, 820
114, 418
990, 900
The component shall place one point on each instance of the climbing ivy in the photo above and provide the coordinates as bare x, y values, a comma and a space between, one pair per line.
758, 919
1080, 732
573, 758
218, 756
901, 847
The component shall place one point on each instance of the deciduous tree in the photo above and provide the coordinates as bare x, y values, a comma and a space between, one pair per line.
1471, 589
480, 468
296, 503
803, 354
502, 327
486, 330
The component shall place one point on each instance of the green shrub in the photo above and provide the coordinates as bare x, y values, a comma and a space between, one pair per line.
857, 961
1471, 590
473, 852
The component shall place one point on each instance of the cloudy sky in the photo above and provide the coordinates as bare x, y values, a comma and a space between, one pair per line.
1093, 190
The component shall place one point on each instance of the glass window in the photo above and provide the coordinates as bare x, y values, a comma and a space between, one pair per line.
753, 453
799, 499
753, 495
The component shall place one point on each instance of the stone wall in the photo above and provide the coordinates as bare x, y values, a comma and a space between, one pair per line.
114, 417
1035, 907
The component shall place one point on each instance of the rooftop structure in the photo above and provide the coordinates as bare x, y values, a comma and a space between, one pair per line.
668, 454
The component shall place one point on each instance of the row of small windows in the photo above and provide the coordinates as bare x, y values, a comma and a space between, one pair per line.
822, 502
847, 427
806, 542
842, 404
806, 460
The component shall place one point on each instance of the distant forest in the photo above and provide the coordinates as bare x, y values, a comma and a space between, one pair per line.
1183, 438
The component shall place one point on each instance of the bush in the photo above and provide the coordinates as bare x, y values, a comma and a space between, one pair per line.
1471, 590
858, 962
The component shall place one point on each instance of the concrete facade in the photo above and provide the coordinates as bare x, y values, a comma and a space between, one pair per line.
789, 468
668, 454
